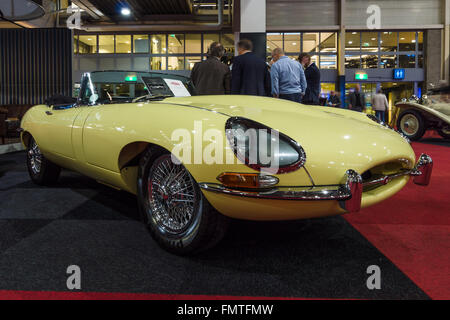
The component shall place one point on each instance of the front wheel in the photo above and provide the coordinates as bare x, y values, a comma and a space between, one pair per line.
178, 216
444, 133
411, 124
41, 170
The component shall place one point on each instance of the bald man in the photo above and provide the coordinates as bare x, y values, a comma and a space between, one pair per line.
288, 77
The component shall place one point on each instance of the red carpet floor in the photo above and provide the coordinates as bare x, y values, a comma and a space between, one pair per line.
412, 229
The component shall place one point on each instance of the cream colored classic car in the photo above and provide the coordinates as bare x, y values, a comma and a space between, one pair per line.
124, 128
414, 116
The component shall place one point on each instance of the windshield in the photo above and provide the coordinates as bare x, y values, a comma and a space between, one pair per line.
105, 87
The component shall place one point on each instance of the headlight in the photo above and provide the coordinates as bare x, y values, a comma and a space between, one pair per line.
262, 148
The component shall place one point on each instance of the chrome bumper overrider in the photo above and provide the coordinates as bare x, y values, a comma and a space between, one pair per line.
349, 193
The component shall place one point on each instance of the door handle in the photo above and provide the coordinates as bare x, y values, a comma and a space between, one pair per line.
48, 113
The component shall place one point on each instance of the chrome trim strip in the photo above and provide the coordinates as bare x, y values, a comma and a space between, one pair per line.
337, 192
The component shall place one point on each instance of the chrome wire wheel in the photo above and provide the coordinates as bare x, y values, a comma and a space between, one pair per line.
35, 158
409, 124
172, 196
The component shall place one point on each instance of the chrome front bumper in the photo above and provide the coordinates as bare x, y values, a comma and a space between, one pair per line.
349, 193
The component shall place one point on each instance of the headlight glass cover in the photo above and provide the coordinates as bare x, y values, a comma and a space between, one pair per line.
262, 148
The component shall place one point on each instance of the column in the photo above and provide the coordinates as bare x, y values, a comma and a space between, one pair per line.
253, 24
340, 83
446, 43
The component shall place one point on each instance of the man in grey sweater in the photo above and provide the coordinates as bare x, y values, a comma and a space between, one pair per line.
380, 105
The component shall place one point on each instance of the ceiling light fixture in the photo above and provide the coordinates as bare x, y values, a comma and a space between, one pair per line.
125, 11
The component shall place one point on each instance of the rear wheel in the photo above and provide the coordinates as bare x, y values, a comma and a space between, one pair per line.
444, 133
411, 124
41, 170
174, 209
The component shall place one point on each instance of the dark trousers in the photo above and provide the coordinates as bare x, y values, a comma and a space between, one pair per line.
296, 97
380, 115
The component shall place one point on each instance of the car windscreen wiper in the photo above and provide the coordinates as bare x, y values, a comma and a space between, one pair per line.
153, 97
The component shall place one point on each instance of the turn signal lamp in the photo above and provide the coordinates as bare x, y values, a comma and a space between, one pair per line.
247, 180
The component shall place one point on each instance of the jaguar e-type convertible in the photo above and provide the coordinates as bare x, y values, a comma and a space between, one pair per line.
124, 128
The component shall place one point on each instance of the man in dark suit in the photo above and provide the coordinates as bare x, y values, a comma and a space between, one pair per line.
212, 76
357, 100
312, 74
250, 74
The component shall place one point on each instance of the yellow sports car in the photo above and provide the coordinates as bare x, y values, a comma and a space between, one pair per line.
195, 161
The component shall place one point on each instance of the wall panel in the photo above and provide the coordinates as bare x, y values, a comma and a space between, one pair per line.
35, 64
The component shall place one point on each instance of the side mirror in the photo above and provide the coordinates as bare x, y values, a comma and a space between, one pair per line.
93, 98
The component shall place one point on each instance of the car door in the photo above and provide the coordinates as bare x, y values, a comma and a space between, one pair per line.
59, 129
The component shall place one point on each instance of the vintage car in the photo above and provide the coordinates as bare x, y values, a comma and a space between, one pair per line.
123, 133
432, 112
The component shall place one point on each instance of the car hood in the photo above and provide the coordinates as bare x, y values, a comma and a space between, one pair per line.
334, 140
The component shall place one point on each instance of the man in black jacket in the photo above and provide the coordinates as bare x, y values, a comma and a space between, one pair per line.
312, 74
212, 76
357, 100
250, 74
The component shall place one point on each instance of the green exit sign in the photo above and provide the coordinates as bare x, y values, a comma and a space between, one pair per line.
131, 78
361, 76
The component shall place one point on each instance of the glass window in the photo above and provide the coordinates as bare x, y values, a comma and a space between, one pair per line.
369, 61
140, 44
176, 45
209, 38
369, 41
420, 40
407, 61
327, 62
158, 43
193, 43
191, 61
292, 42
388, 61
315, 59
75, 43
352, 61
407, 41
106, 44
310, 42
122, 90
158, 63
176, 63
123, 43
328, 42
274, 40
228, 42
352, 41
87, 44
388, 41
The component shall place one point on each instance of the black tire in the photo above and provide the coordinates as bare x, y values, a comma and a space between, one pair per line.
411, 124
197, 226
43, 173
444, 133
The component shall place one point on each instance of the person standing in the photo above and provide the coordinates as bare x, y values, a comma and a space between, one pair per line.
312, 74
212, 76
334, 100
288, 77
357, 100
380, 105
250, 74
